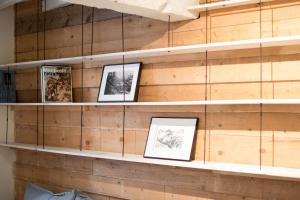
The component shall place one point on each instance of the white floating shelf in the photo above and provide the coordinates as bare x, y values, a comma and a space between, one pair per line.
224, 4
199, 48
171, 103
20, 146
224, 168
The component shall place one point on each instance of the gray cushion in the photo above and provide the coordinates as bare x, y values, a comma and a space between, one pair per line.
34, 192
81, 197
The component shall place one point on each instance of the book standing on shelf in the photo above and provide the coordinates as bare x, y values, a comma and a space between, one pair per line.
7, 86
56, 84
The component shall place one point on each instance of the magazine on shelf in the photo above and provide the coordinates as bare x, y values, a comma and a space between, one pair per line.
56, 84
7, 86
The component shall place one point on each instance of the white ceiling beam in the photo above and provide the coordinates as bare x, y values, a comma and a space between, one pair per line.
225, 4
50, 4
53, 4
177, 10
155, 9
7, 3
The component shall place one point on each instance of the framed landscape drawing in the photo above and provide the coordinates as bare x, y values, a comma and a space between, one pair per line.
56, 84
171, 138
119, 82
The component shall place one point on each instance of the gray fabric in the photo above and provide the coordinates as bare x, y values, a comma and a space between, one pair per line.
82, 197
34, 192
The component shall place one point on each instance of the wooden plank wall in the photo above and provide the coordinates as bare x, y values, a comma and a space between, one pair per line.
234, 134
3, 114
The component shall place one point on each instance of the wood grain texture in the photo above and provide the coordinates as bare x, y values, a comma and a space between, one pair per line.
230, 134
140, 181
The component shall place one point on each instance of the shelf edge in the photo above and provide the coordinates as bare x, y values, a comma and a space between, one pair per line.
216, 167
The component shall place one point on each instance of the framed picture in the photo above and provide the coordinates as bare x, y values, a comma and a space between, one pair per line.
56, 84
119, 82
171, 138
7, 86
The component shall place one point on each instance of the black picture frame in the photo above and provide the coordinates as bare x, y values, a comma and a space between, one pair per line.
136, 91
192, 143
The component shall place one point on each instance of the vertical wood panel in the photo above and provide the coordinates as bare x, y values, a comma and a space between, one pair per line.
230, 134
